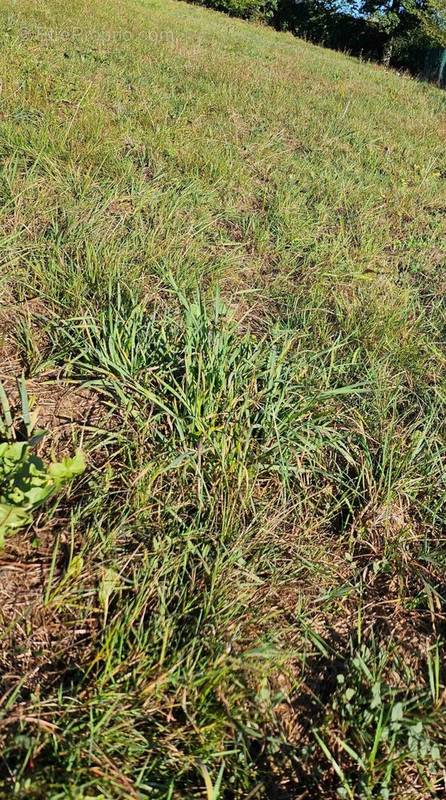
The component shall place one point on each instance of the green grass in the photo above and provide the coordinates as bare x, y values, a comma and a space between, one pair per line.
232, 243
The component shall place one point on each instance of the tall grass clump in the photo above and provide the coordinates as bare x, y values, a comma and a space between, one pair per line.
228, 412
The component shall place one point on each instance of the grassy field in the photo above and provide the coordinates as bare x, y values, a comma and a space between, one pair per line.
222, 274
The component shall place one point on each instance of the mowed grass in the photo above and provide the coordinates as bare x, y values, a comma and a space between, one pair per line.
232, 244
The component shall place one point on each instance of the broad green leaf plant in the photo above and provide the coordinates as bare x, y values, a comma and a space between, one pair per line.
25, 480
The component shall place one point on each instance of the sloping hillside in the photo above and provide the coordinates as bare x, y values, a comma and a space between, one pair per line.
222, 274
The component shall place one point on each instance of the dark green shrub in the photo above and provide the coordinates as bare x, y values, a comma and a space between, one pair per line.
247, 9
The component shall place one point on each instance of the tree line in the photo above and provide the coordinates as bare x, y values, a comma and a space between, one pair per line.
406, 34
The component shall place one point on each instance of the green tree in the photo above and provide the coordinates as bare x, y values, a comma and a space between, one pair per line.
432, 14
396, 18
